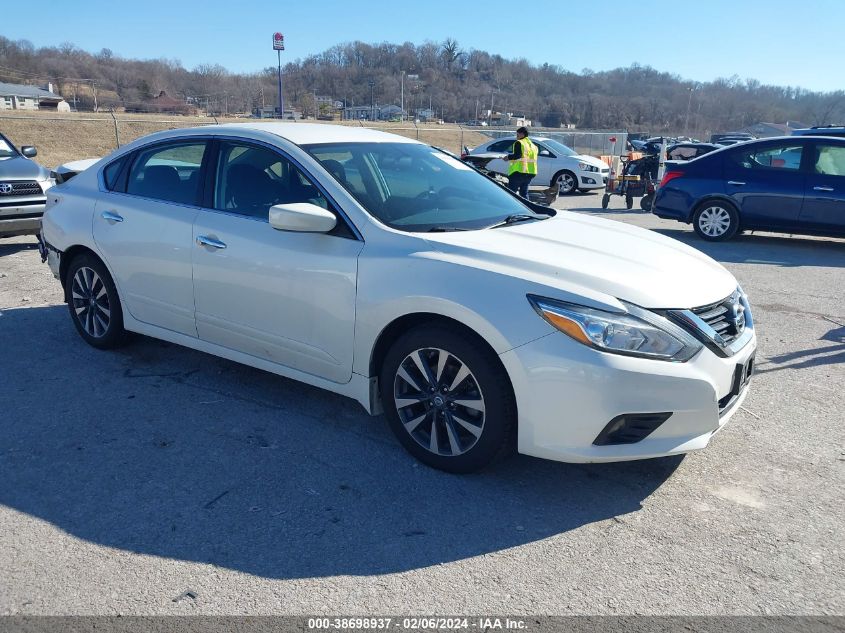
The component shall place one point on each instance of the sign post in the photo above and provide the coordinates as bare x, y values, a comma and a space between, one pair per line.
279, 46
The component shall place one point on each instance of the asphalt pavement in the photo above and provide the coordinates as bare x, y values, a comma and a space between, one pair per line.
159, 480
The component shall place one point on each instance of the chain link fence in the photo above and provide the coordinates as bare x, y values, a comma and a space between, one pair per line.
61, 139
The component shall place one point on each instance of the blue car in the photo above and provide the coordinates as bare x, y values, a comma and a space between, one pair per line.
787, 185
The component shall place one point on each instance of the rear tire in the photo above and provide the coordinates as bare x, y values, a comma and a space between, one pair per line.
93, 303
715, 221
448, 399
605, 200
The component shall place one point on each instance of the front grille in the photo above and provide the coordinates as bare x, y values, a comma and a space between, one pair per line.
727, 317
20, 188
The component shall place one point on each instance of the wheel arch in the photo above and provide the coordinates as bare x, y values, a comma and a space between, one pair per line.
400, 325
560, 171
71, 253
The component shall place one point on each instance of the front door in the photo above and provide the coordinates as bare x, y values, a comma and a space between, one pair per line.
824, 199
285, 297
767, 183
144, 229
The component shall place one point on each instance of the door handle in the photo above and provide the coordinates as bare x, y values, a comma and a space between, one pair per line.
203, 240
735, 183
111, 216
822, 188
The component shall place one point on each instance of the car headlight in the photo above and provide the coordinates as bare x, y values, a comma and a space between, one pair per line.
636, 332
586, 167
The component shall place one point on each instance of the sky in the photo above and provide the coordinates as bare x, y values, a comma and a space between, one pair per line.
779, 42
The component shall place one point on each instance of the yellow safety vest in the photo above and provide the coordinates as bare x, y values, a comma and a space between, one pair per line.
528, 163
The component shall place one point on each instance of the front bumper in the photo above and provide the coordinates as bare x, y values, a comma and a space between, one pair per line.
567, 394
591, 179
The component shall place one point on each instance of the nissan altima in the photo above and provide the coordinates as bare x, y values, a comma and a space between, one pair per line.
385, 270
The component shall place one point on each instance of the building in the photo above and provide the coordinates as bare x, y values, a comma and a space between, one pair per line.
766, 130
162, 104
360, 113
22, 97
391, 113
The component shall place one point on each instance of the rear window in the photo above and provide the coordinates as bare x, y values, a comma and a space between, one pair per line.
112, 172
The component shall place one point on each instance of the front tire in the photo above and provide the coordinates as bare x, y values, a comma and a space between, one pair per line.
93, 303
566, 181
448, 399
716, 221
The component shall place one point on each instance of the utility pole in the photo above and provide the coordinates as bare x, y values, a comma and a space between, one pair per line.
279, 46
94, 91
402, 106
689, 103
372, 85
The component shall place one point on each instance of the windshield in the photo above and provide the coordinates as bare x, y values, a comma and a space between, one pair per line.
6, 148
415, 187
558, 147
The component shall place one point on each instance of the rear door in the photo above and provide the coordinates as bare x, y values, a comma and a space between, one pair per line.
824, 199
766, 182
144, 229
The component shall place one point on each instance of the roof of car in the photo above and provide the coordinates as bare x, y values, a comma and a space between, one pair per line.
308, 133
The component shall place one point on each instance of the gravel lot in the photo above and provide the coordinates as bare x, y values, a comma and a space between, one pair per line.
158, 480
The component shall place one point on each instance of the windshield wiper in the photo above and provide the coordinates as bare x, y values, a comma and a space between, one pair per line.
445, 229
517, 217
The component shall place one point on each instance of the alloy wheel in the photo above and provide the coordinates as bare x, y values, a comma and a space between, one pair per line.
714, 221
439, 401
566, 183
91, 302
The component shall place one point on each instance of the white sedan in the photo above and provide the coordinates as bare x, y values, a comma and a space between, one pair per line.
557, 164
383, 269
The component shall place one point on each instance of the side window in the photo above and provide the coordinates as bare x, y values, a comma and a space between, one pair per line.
684, 152
251, 179
502, 146
542, 148
781, 157
830, 160
111, 172
168, 172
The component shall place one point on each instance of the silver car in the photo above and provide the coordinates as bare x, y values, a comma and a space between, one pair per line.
22, 186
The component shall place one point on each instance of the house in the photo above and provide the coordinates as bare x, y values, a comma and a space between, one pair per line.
359, 113
22, 97
391, 112
426, 114
766, 130
163, 103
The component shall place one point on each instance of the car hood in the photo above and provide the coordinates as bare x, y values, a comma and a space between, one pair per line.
20, 168
579, 253
591, 160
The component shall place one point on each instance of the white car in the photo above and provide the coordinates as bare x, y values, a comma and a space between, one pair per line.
557, 164
383, 269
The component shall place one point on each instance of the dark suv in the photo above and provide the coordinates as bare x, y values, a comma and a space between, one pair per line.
791, 184
822, 130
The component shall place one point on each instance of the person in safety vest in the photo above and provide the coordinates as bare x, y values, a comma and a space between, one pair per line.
523, 163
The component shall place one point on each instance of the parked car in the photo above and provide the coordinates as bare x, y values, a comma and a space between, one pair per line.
821, 130
66, 171
688, 151
22, 186
557, 164
383, 269
793, 184
731, 137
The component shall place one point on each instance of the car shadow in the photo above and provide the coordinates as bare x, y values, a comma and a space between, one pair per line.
10, 248
160, 450
813, 357
772, 249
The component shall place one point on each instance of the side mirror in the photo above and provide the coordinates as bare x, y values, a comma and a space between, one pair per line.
545, 152
302, 217
29, 151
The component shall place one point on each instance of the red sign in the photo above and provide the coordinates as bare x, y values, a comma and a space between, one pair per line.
278, 42
612, 139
